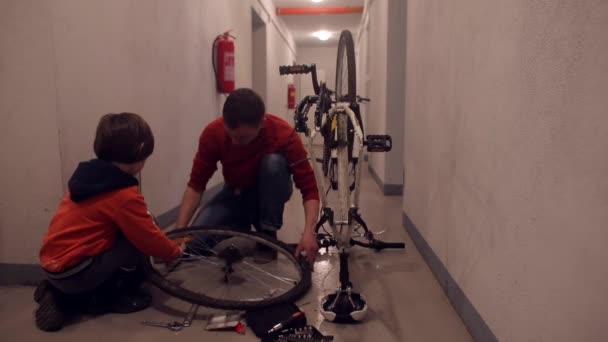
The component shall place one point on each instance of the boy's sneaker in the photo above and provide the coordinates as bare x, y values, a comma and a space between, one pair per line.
101, 304
119, 294
132, 302
49, 316
40, 290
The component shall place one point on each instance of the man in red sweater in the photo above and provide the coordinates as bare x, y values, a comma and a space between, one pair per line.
259, 153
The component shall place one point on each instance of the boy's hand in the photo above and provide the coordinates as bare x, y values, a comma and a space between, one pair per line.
308, 244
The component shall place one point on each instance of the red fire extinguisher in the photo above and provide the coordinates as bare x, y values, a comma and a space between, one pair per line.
291, 96
223, 62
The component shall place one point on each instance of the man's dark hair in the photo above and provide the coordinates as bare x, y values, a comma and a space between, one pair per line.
243, 107
124, 138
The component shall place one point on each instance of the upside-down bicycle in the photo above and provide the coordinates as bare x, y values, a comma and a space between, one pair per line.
338, 120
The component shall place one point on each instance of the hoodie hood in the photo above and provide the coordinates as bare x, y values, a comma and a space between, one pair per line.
95, 177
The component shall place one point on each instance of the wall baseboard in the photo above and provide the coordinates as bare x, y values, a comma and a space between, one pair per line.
31, 274
387, 189
470, 316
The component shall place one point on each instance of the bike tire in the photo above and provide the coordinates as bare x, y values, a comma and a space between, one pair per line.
174, 290
346, 80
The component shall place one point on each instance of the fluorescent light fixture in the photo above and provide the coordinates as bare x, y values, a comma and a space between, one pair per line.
317, 0
322, 35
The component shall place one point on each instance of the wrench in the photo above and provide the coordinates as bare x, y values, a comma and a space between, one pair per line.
173, 326
176, 326
190, 317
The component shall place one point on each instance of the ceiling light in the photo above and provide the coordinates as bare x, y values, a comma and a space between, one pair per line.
317, 0
322, 35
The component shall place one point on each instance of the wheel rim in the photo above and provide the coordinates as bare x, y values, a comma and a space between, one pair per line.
227, 269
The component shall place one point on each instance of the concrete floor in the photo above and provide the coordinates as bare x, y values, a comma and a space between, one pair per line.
406, 302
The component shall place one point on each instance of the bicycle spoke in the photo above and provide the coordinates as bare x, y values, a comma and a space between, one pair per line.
265, 285
283, 279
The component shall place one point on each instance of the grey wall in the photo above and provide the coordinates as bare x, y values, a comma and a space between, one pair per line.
505, 162
65, 63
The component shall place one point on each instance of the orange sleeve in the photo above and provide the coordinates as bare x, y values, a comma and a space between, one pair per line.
137, 225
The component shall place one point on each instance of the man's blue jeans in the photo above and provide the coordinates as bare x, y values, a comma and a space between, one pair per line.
261, 205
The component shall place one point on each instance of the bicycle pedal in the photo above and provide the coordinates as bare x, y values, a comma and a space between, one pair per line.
379, 143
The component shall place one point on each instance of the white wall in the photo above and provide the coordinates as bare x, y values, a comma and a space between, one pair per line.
277, 84
505, 158
381, 51
280, 50
65, 63
324, 58
30, 168
259, 71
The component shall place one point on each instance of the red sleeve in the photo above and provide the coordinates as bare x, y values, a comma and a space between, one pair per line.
136, 223
205, 159
303, 174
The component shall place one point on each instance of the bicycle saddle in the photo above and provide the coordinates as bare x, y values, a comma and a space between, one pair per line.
344, 306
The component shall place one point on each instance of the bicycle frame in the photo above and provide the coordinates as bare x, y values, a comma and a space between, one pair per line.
342, 236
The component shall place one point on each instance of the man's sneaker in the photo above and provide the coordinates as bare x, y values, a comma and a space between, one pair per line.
265, 254
49, 316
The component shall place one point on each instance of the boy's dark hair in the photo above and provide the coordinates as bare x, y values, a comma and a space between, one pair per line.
123, 138
243, 107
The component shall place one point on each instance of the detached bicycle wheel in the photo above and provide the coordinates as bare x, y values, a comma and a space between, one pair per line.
228, 269
346, 80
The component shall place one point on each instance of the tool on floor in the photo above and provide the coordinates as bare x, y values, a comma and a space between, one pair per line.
175, 325
307, 333
285, 322
275, 318
190, 317
226, 321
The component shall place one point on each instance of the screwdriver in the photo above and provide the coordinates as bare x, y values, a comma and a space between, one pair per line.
285, 322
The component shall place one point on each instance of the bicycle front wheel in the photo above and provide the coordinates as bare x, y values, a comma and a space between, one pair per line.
229, 269
346, 80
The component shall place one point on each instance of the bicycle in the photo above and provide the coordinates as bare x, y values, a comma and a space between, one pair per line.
338, 119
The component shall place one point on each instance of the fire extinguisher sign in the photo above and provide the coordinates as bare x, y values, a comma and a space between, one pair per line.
229, 66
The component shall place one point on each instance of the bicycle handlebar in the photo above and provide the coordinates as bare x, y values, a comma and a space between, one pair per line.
302, 69
378, 245
326, 240
295, 69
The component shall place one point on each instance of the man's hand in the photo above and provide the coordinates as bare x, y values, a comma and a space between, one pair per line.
308, 244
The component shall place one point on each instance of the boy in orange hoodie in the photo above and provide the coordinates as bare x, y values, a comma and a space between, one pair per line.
102, 230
